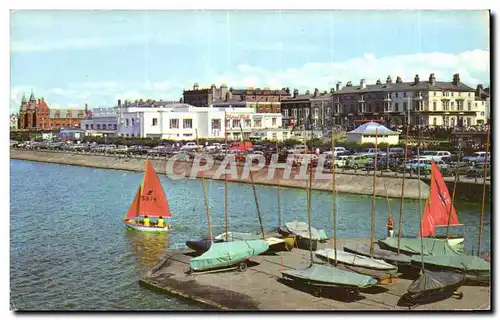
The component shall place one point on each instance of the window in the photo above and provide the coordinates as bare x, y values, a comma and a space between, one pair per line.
469, 106
273, 121
434, 93
434, 107
91, 126
98, 127
404, 94
434, 121
155, 122
397, 106
294, 113
103, 127
87, 126
469, 94
452, 105
248, 123
274, 135
187, 123
133, 122
174, 123
396, 94
258, 123
285, 112
236, 123
482, 113
216, 124
452, 93
114, 127
126, 122
405, 106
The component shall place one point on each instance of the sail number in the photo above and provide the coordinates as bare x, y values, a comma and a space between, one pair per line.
148, 198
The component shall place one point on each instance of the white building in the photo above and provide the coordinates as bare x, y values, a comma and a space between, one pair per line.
101, 121
371, 132
179, 121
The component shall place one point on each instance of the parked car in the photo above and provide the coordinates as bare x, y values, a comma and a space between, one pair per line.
190, 146
477, 157
357, 161
435, 155
298, 149
371, 153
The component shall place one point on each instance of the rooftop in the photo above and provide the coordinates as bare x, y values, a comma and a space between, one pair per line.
373, 128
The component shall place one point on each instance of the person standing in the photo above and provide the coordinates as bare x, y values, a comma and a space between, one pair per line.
390, 227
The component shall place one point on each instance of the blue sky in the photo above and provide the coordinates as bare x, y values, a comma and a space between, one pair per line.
76, 57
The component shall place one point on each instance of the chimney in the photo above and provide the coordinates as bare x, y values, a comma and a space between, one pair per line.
389, 80
362, 84
417, 79
287, 90
119, 103
456, 79
196, 86
378, 82
479, 90
399, 80
295, 93
332, 90
432, 79
316, 92
87, 108
349, 84
308, 92
213, 89
338, 86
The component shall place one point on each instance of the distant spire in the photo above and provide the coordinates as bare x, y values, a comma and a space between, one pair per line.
32, 96
23, 100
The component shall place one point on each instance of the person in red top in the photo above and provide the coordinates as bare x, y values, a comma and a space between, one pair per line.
390, 227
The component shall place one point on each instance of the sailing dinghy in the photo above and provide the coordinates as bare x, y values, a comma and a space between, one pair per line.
227, 255
355, 260
474, 268
276, 242
149, 201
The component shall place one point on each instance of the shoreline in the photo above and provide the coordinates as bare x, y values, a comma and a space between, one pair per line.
360, 184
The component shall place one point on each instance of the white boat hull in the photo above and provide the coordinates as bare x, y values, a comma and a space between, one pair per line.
354, 259
148, 229
455, 242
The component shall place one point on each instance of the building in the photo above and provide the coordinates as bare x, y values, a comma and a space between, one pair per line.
35, 114
297, 109
262, 100
101, 122
372, 132
180, 121
14, 121
432, 102
483, 102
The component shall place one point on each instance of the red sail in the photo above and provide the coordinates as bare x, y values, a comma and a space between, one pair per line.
133, 211
438, 205
150, 199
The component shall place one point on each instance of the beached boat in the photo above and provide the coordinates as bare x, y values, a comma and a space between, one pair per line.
474, 268
150, 201
201, 245
275, 241
378, 253
227, 255
412, 246
301, 231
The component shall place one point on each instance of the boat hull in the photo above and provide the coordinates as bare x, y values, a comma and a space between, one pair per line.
142, 228
356, 260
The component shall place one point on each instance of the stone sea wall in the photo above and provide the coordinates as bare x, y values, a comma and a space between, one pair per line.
345, 183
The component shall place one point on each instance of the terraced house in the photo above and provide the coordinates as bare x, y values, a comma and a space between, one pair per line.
432, 102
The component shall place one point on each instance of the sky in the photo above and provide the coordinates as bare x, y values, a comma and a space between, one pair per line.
73, 58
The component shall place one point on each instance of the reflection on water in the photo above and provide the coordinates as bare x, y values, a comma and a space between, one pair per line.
147, 247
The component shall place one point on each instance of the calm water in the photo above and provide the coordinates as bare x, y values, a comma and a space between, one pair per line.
70, 250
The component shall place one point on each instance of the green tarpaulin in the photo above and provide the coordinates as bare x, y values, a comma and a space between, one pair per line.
466, 263
432, 247
226, 254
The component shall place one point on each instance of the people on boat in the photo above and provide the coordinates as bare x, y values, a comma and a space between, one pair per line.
161, 222
390, 227
146, 221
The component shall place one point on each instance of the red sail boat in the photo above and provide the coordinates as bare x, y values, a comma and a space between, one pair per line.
149, 202
439, 210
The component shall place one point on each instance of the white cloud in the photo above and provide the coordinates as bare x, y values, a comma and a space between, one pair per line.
58, 91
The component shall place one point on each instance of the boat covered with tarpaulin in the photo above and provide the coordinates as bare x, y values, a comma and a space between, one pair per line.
432, 286
378, 253
317, 274
355, 259
201, 245
227, 254
474, 268
277, 242
413, 246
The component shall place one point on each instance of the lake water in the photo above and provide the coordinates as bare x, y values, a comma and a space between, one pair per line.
71, 251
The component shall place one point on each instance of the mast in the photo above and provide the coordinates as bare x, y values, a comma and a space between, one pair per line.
309, 196
226, 191
481, 219
420, 200
334, 195
138, 201
278, 189
253, 185
400, 222
205, 193
372, 228
454, 185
